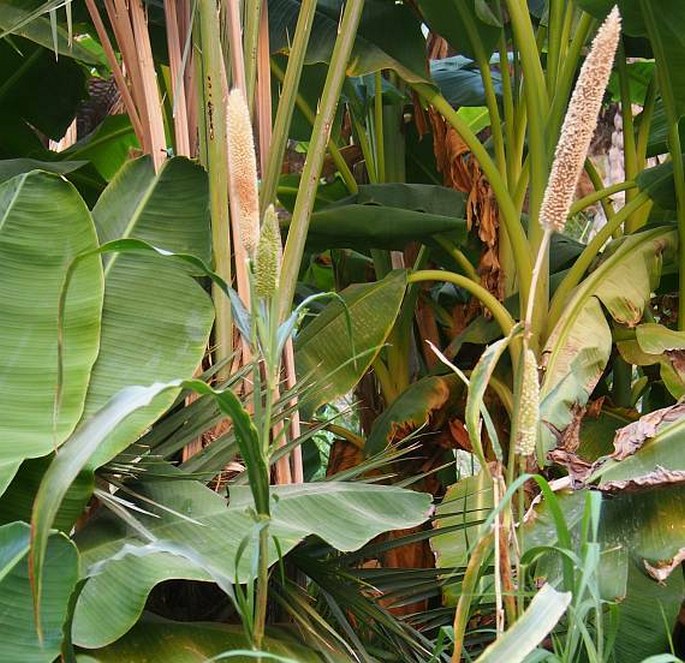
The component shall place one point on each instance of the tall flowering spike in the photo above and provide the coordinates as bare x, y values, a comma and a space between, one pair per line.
529, 406
579, 124
242, 164
268, 256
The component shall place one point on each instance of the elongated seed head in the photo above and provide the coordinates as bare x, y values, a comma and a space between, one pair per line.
242, 170
529, 406
579, 124
268, 256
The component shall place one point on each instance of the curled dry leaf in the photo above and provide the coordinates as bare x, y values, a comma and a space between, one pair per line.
633, 436
661, 570
659, 477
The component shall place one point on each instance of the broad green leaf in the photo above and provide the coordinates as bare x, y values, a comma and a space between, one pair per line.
413, 410
646, 617
324, 348
401, 49
389, 216
540, 617
10, 168
460, 81
18, 635
655, 339
196, 524
462, 512
44, 225
658, 183
579, 346
445, 18
161, 640
123, 568
156, 318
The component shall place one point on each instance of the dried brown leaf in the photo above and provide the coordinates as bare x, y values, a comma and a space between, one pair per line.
662, 569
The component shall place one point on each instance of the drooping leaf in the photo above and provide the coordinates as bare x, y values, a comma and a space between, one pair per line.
412, 411
460, 81
44, 226
579, 346
540, 617
10, 168
161, 640
324, 349
18, 635
463, 510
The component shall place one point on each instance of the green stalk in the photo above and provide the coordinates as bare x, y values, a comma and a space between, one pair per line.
262, 587
478, 558
378, 126
554, 41
646, 121
566, 77
590, 252
597, 182
332, 147
600, 195
451, 248
483, 62
509, 215
537, 102
253, 12
499, 313
304, 204
214, 121
630, 160
286, 102
674, 147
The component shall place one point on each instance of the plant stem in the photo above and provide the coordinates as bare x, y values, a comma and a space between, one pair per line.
554, 37
286, 102
674, 148
509, 215
468, 587
501, 315
483, 61
450, 247
599, 195
304, 204
378, 126
262, 586
253, 12
630, 162
211, 63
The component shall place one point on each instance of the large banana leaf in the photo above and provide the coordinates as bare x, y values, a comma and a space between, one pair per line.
44, 226
156, 317
388, 216
159, 640
376, 47
324, 348
18, 637
579, 346
203, 542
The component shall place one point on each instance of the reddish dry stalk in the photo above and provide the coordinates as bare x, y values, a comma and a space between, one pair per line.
116, 70
264, 104
174, 45
146, 63
295, 430
236, 38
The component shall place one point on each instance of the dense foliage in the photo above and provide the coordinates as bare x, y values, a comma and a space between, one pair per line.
438, 416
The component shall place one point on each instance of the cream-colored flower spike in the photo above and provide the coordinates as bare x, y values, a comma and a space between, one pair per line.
242, 169
529, 406
579, 124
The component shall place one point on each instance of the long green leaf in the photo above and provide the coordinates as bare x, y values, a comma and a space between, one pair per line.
44, 225
324, 347
540, 617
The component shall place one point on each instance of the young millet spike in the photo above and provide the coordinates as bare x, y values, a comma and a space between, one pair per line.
529, 406
268, 256
579, 124
242, 170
